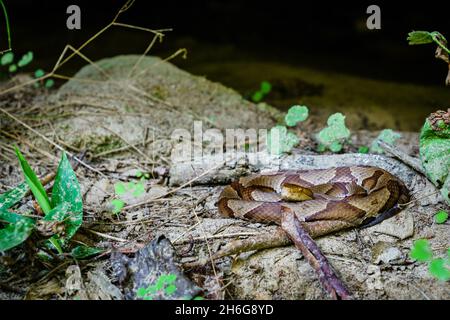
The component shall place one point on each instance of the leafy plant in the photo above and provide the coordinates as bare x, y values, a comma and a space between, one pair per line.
65, 208
121, 189
280, 140
425, 37
434, 148
437, 267
387, 135
48, 83
334, 135
295, 115
264, 90
8, 60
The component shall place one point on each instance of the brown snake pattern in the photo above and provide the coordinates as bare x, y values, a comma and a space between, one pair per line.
322, 200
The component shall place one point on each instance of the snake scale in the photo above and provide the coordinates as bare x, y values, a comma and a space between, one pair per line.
322, 200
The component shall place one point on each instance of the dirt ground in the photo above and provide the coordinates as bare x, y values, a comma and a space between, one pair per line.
124, 121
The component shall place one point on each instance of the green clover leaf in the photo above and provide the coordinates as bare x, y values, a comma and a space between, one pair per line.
441, 216
295, 115
421, 250
440, 269
7, 58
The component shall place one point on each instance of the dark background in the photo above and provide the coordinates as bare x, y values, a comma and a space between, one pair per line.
325, 35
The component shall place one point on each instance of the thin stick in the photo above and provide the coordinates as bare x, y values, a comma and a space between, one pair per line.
215, 236
176, 189
405, 158
106, 236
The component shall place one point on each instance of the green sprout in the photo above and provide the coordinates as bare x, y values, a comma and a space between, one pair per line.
437, 267
425, 37
295, 115
441, 216
264, 90
7, 58
363, 149
279, 140
65, 206
122, 189
164, 285
39, 73
334, 135
26, 59
387, 135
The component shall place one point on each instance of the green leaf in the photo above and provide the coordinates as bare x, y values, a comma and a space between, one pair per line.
296, 114
119, 188
26, 59
17, 231
335, 146
170, 278
141, 292
34, 183
118, 205
49, 83
257, 96
7, 58
56, 242
363, 149
279, 140
439, 269
199, 298
83, 252
266, 87
12, 68
441, 216
335, 134
435, 152
421, 250
419, 37
66, 190
170, 289
39, 73
138, 189
58, 213
13, 196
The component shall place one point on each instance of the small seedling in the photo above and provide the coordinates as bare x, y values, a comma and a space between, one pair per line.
295, 115
334, 135
437, 267
122, 189
48, 83
264, 90
164, 285
363, 149
441, 216
442, 52
280, 140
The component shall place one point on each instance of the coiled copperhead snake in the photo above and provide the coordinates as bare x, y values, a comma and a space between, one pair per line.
324, 200
316, 202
